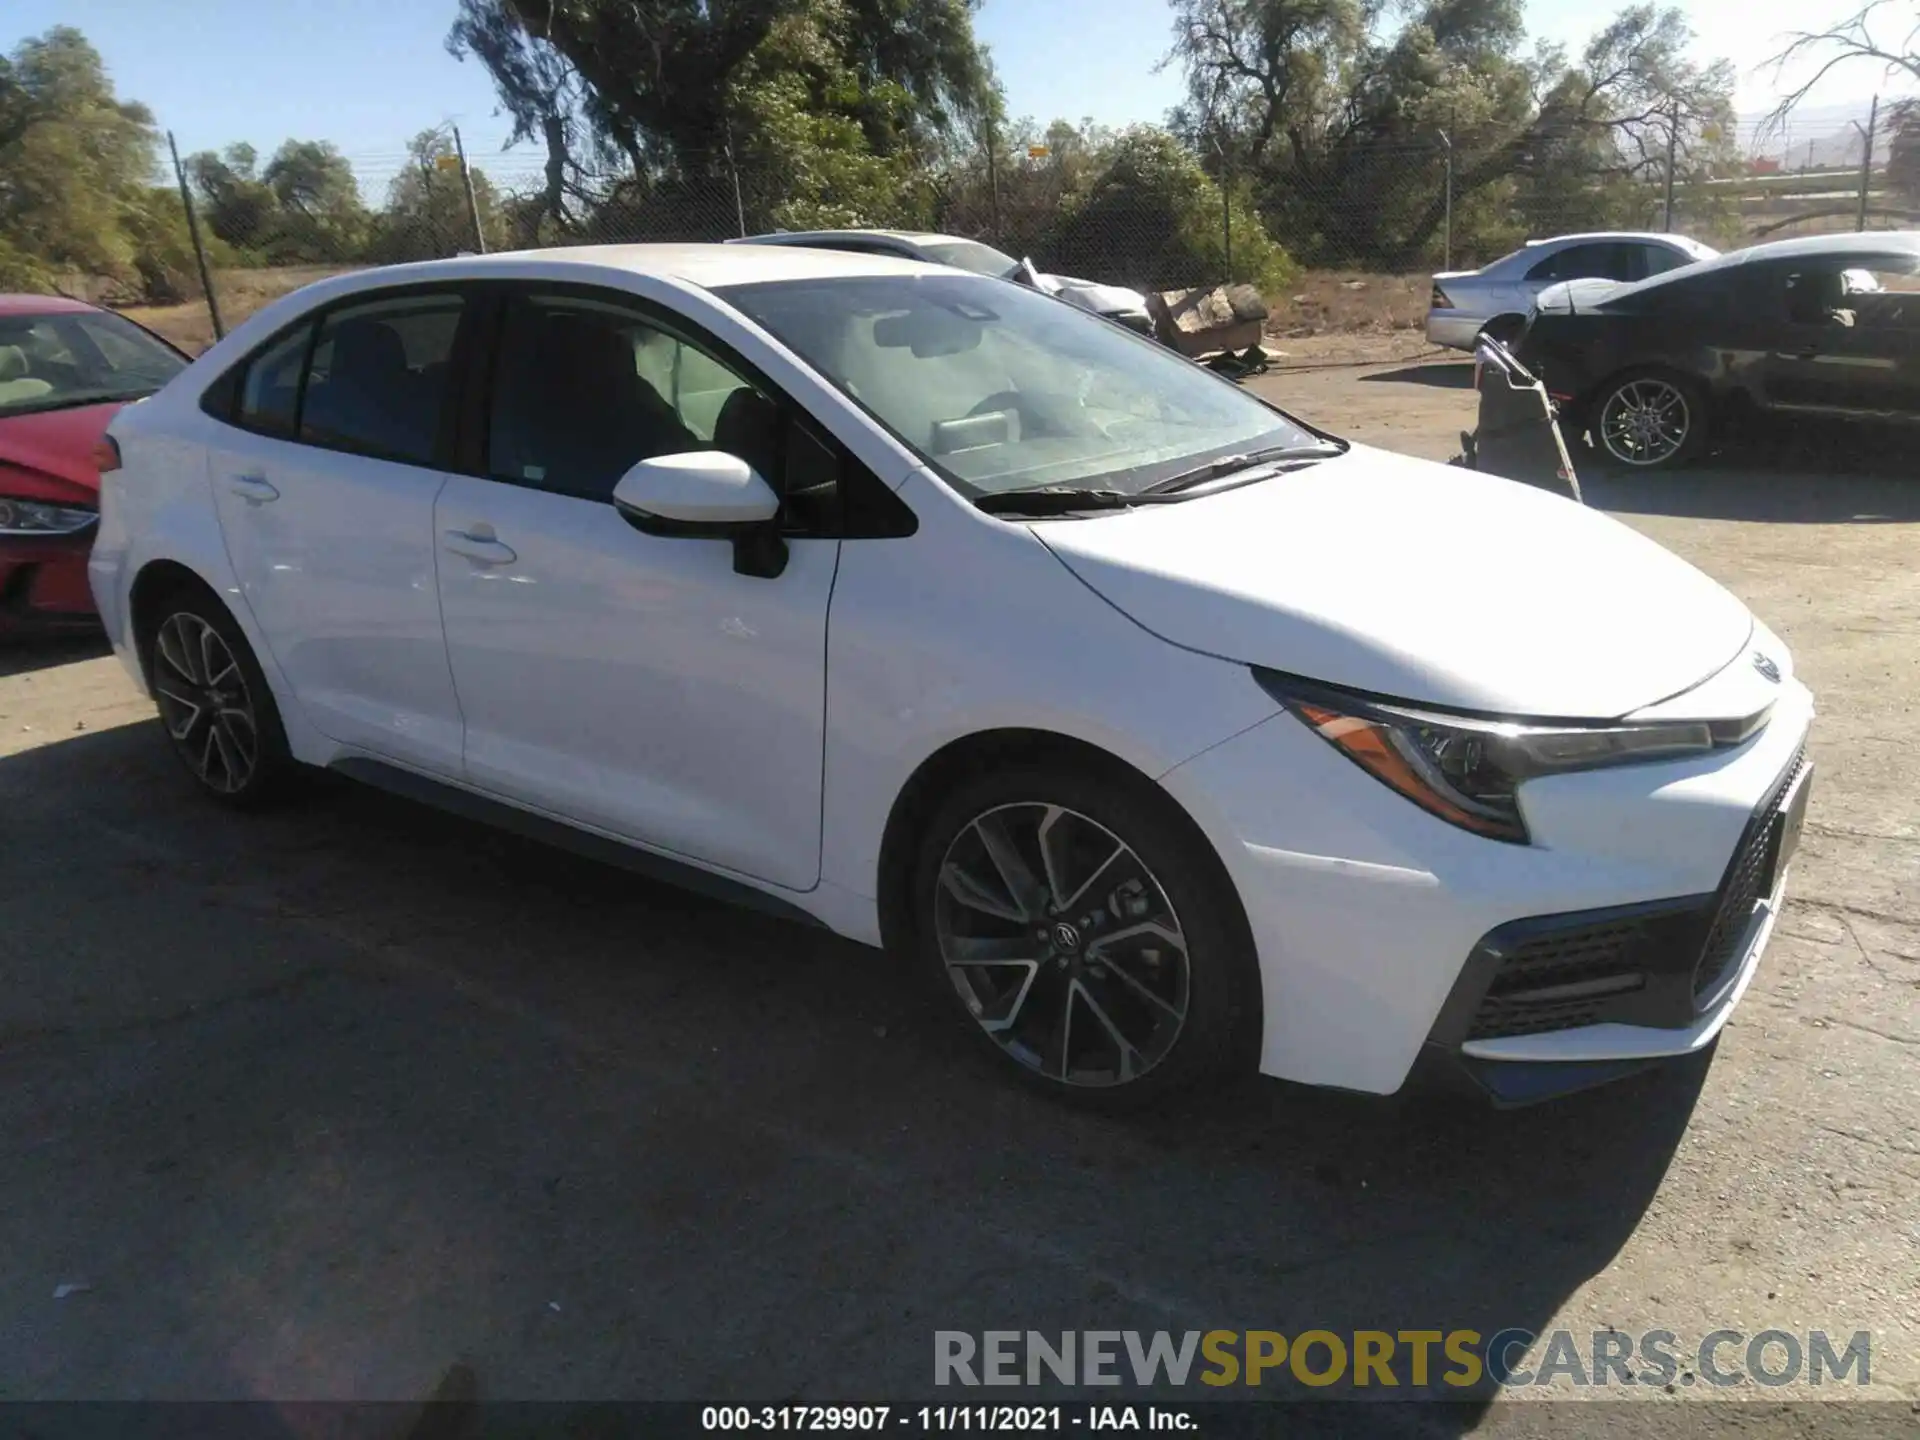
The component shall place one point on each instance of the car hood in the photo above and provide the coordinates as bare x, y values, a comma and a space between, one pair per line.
1417, 581
56, 448
1101, 299
1570, 297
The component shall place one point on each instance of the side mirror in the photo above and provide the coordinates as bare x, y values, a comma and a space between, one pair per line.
707, 494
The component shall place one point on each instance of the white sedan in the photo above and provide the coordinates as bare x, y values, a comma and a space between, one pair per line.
1167, 734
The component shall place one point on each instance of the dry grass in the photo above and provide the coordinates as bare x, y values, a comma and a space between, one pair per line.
241, 293
1349, 302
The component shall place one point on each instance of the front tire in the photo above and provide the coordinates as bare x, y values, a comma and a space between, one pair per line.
220, 717
1086, 935
1649, 420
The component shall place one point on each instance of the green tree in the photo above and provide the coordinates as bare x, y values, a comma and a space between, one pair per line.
811, 109
237, 205
320, 214
426, 215
76, 165
1147, 214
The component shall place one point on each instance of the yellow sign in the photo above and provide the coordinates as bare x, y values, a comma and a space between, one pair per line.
1037, 152
446, 162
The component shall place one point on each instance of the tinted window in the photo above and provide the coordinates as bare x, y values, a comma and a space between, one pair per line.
1603, 261
582, 391
1657, 259
378, 381
270, 388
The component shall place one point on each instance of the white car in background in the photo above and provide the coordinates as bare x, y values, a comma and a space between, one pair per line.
1167, 735
1493, 300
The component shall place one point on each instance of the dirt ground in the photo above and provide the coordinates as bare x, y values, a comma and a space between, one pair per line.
322, 1102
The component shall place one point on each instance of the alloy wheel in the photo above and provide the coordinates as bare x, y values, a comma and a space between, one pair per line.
1062, 944
205, 703
1645, 422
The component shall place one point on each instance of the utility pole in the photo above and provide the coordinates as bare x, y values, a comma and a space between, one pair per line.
473, 205
1866, 161
1447, 252
199, 250
1673, 145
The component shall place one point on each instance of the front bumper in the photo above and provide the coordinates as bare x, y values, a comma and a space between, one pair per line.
1384, 934
43, 583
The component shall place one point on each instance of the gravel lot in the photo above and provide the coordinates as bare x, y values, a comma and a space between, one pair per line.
320, 1103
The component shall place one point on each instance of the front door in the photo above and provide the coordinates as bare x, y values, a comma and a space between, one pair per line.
631, 682
325, 486
1840, 353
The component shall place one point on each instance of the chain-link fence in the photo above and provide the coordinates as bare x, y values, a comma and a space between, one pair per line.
1138, 210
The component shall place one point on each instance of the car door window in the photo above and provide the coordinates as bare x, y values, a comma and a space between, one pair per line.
583, 391
379, 377
1583, 262
1657, 259
270, 384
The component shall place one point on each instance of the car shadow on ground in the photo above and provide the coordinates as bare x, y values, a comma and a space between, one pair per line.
1789, 479
361, 1058
1439, 374
20, 654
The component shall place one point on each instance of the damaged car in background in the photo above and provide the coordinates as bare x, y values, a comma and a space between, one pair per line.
1113, 302
1823, 326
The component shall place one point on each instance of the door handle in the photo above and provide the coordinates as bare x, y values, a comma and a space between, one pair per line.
1811, 352
253, 489
483, 549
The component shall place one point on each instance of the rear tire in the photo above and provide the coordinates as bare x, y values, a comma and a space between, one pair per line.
219, 716
1086, 935
1648, 420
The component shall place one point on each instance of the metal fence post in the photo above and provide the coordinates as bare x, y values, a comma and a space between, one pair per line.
199, 250
1673, 145
473, 205
1866, 161
1446, 261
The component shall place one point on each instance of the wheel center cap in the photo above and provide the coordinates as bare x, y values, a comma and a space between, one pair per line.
1066, 939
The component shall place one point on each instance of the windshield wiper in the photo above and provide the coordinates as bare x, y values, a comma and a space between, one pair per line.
1247, 461
1055, 500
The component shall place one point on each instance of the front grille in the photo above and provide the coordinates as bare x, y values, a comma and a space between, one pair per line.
1746, 885
1560, 980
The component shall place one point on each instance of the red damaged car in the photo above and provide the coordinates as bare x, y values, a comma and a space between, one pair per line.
65, 369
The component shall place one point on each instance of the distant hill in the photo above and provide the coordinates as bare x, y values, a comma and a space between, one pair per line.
1816, 138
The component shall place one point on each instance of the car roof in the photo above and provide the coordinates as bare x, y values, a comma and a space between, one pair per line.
805, 237
1654, 236
1901, 247
41, 305
705, 267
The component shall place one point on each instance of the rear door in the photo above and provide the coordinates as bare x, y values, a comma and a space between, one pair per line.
325, 478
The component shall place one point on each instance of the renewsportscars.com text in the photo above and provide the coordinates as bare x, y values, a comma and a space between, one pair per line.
1413, 1359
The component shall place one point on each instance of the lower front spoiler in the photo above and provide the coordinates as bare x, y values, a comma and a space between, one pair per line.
1512, 1084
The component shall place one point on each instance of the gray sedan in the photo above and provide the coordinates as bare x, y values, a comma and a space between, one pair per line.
1495, 298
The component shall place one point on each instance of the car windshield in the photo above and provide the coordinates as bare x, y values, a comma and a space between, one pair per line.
999, 388
63, 359
971, 255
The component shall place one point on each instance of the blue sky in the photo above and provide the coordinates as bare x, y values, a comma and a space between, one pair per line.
367, 74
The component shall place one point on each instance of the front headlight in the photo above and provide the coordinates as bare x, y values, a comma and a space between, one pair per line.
1466, 769
35, 517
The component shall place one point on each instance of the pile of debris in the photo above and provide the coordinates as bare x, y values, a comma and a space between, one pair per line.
1220, 325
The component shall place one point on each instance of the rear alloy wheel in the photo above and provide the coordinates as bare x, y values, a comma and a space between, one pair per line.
1083, 938
1647, 421
213, 701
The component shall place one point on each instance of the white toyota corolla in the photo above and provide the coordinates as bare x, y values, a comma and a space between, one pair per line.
1170, 735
